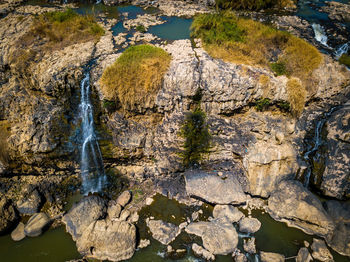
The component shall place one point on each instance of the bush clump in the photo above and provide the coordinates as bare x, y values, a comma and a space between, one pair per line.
345, 60
279, 68
253, 4
136, 76
197, 138
242, 40
297, 96
262, 104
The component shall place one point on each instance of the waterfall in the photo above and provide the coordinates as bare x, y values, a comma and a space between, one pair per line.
92, 171
320, 34
343, 49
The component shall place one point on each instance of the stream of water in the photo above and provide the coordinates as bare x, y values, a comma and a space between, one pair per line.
92, 170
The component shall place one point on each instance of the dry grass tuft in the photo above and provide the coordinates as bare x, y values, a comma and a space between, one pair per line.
4, 135
297, 96
136, 76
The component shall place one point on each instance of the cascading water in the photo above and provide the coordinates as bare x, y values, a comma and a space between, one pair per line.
343, 49
92, 171
320, 34
317, 142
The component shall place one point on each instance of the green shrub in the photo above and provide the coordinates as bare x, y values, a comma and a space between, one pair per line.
345, 60
279, 68
262, 104
253, 4
141, 28
110, 106
284, 106
136, 76
197, 137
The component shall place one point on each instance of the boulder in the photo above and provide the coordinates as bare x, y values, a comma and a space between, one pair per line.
144, 243
292, 203
29, 205
202, 252
238, 256
18, 234
249, 225
219, 236
8, 215
108, 240
162, 231
271, 257
340, 239
320, 251
249, 245
124, 215
124, 198
230, 212
36, 224
214, 189
267, 165
81, 215
113, 210
303, 255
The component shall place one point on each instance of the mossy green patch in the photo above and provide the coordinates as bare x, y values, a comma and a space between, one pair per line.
345, 60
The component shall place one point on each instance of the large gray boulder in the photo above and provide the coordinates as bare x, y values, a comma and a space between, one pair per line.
81, 215
162, 231
294, 204
124, 198
230, 212
107, 240
36, 224
219, 236
249, 225
214, 189
8, 214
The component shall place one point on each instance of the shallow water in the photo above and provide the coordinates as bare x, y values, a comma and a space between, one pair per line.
174, 29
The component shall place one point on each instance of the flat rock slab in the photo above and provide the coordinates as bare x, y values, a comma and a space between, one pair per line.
271, 257
230, 212
219, 238
162, 231
107, 240
36, 224
81, 215
214, 189
18, 234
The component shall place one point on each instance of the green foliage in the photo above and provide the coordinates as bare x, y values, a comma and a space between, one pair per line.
136, 76
279, 68
252, 4
141, 28
197, 137
217, 29
60, 17
284, 106
345, 60
262, 104
110, 106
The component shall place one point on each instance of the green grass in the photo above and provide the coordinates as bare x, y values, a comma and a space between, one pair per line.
262, 104
141, 29
253, 4
279, 68
197, 137
136, 76
345, 60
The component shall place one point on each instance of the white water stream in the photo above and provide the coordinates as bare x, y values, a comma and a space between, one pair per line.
320, 34
92, 171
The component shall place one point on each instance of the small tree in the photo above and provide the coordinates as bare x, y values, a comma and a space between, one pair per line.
197, 137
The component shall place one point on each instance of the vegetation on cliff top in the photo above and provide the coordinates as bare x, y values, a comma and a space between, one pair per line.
136, 76
253, 4
345, 60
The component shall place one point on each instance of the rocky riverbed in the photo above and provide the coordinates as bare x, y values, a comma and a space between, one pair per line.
217, 211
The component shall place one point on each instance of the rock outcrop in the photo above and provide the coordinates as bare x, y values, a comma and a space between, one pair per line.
162, 231
294, 204
8, 214
320, 251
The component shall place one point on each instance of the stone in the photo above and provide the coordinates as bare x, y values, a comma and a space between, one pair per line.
303, 255
134, 217
124, 215
8, 215
339, 240
113, 210
202, 252
149, 201
294, 204
108, 240
18, 234
238, 256
82, 214
29, 205
337, 11
320, 251
169, 249
219, 237
162, 231
267, 165
213, 189
124, 198
230, 212
271, 257
249, 225
249, 245
36, 224
144, 243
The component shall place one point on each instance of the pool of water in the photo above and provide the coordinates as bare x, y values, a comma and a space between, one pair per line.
174, 29
55, 245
